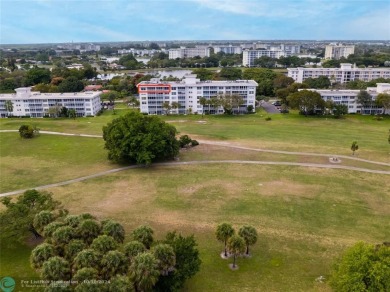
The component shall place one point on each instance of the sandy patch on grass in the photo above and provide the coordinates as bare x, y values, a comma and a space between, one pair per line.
283, 187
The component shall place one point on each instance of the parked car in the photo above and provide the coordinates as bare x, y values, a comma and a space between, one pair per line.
277, 103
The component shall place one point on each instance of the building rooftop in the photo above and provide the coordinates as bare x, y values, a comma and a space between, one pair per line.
26, 93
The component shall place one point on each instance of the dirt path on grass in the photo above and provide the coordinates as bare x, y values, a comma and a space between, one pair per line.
227, 144
167, 164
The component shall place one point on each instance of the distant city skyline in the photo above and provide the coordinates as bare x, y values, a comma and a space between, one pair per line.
55, 21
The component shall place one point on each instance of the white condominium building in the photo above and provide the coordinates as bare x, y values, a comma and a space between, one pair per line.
344, 74
187, 94
139, 52
249, 56
189, 52
228, 49
36, 105
349, 98
334, 51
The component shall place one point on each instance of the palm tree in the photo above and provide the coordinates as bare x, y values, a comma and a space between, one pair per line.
236, 246
121, 283
203, 102
73, 248
104, 244
85, 274
87, 258
249, 234
89, 229
9, 107
167, 107
165, 256
133, 248
143, 234
114, 229
55, 269
114, 263
72, 113
40, 254
175, 105
354, 147
62, 236
144, 271
42, 219
223, 233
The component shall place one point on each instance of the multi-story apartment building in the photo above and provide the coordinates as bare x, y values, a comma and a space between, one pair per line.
139, 52
189, 52
36, 105
349, 98
287, 48
249, 56
347, 72
228, 49
334, 51
187, 94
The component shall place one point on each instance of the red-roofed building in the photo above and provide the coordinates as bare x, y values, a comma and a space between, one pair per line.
93, 87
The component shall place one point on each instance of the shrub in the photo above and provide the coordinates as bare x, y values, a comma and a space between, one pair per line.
184, 141
194, 143
26, 131
268, 118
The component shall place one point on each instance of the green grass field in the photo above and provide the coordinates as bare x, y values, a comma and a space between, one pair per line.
305, 217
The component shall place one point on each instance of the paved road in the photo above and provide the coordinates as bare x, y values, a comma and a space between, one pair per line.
269, 108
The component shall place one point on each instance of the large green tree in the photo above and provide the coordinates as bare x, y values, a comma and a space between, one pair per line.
18, 217
37, 75
71, 84
203, 74
307, 101
230, 74
365, 99
362, 267
383, 100
187, 262
320, 82
141, 139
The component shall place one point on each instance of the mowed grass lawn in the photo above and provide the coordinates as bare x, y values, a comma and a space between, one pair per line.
305, 217
28, 163
290, 132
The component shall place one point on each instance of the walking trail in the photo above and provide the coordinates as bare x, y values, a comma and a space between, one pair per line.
166, 164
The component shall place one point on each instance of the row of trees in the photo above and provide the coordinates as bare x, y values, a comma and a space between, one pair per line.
60, 79
236, 244
83, 250
309, 102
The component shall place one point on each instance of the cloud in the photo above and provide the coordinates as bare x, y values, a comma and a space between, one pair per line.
272, 9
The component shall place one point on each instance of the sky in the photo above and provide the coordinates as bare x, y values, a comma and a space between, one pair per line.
58, 21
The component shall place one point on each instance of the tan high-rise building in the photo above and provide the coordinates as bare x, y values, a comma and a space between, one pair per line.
335, 52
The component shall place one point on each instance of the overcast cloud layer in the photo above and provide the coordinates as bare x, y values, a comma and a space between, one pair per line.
50, 21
